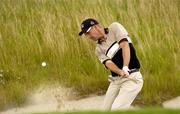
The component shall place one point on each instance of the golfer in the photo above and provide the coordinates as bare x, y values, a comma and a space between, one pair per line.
115, 50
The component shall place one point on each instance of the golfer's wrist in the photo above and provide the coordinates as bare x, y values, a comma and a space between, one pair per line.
120, 72
125, 68
125, 65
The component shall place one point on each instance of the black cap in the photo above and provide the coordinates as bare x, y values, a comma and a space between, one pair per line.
86, 24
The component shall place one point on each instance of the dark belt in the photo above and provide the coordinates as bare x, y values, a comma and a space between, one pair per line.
133, 70
130, 72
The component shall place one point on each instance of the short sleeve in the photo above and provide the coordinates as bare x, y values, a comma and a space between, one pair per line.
119, 31
101, 56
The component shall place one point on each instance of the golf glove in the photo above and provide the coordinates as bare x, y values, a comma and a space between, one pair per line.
126, 69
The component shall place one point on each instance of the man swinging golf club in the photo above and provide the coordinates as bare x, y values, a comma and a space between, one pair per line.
115, 50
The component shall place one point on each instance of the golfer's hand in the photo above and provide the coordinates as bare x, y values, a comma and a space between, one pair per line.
123, 74
126, 70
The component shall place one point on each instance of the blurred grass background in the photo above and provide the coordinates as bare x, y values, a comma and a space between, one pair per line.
33, 31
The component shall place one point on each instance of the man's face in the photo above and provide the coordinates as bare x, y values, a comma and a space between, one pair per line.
93, 34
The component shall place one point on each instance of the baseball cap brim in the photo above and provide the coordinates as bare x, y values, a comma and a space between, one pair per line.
81, 33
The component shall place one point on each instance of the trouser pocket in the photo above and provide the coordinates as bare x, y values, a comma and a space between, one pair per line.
137, 76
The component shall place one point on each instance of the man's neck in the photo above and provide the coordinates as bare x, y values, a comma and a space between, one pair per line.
102, 39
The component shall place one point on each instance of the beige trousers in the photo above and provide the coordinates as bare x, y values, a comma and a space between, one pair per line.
122, 91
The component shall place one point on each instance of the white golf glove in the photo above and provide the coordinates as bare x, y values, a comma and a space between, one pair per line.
126, 69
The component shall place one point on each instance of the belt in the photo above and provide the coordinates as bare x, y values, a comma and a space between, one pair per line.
133, 70
130, 72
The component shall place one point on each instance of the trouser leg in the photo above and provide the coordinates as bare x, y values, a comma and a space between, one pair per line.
111, 94
128, 91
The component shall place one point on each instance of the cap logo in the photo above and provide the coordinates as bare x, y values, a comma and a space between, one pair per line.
92, 23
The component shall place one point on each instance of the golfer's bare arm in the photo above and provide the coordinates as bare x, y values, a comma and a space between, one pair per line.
126, 58
125, 52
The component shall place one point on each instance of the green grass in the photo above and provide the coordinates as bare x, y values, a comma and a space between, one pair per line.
33, 31
140, 111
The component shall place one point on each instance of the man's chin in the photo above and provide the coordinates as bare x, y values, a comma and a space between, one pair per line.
94, 39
